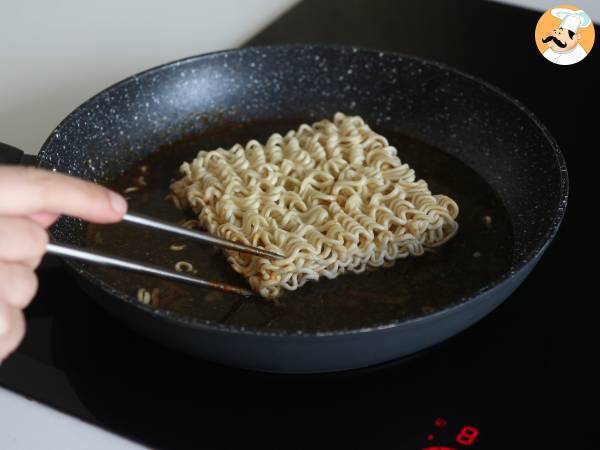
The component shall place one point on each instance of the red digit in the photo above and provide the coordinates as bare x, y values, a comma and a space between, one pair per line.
467, 435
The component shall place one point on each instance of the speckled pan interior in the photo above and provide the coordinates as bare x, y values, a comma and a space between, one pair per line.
478, 124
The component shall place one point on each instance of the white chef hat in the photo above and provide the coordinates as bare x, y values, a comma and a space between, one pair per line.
571, 20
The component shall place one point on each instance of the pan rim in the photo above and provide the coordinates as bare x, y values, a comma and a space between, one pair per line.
540, 245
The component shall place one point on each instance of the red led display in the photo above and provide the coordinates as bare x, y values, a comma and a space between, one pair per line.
467, 435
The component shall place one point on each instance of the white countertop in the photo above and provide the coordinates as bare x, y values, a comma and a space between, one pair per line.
28, 425
591, 7
55, 55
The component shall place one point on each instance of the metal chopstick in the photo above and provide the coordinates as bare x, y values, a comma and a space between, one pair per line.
199, 235
69, 251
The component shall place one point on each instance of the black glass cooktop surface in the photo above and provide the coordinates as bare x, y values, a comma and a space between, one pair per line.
520, 378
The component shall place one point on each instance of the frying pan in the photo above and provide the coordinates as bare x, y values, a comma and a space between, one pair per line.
478, 130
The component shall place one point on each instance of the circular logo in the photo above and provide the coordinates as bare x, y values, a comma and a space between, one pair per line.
565, 35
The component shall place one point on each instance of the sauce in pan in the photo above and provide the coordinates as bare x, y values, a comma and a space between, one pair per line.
480, 252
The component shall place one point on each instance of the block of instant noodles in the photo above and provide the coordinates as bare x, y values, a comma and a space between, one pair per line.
331, 197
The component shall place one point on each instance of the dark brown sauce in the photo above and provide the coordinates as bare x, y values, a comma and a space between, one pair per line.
480, 252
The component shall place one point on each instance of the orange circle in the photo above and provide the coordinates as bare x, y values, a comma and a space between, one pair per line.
548, 22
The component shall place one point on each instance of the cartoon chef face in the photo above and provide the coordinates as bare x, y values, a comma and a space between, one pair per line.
561, 39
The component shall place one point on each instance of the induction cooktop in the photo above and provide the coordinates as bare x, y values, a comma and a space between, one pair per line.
496, 386
520, 378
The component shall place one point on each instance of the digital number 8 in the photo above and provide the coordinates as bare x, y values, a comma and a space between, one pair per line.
467, 435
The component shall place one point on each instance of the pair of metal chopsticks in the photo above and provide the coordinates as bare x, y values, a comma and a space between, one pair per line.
94, 257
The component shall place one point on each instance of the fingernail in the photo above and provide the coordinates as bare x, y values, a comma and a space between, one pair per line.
117, 202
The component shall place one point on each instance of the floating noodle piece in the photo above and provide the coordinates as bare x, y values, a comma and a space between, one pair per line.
184, 266
144, 296
190, 224
332, 197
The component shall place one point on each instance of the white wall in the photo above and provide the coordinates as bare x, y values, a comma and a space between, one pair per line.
56, 54
591, 7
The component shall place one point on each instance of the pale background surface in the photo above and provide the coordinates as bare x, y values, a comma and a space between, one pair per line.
592, 7
27, 425
55, 55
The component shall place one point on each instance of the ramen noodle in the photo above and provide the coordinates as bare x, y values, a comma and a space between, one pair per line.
332, 197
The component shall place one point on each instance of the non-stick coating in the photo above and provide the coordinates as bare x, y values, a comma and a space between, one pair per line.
478, 124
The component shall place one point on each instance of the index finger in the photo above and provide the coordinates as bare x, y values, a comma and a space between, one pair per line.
25, 191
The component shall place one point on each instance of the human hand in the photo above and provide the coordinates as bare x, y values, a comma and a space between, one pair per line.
30, 201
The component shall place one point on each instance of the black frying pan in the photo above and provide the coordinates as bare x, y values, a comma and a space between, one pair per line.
467, 139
